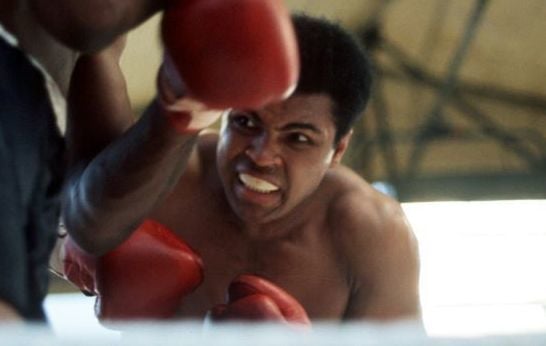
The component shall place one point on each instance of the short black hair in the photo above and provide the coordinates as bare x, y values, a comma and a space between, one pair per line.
333, 62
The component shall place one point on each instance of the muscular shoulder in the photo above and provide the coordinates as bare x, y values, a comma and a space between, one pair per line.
358, 208
378, 245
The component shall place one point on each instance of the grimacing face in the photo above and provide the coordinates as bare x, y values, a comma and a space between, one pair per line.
272, 159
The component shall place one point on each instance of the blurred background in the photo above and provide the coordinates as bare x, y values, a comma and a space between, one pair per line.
459, 105
456, 130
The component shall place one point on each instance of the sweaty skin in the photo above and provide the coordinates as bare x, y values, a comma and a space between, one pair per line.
268, 196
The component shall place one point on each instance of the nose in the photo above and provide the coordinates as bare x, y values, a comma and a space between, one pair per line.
263, 151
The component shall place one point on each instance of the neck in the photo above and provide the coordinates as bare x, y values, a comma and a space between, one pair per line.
288, 227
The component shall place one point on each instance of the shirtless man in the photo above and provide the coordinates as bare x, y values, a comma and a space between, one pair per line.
268, 196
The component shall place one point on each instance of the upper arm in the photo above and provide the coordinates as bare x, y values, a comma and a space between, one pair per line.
384, 263
99, 109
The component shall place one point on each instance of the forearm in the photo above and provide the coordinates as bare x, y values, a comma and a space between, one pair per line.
89, 25
108, 198
117, 171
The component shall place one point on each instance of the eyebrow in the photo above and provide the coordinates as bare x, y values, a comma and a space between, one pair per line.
301, 126
290, 126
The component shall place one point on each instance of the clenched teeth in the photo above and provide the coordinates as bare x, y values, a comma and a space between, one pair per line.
256, 184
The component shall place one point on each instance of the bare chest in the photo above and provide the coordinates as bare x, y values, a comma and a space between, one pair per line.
308, 268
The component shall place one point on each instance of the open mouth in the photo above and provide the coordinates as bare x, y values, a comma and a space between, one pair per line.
257, 184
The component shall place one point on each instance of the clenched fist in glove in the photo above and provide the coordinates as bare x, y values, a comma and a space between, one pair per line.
145, 277
252, 298
186, 114
232, 53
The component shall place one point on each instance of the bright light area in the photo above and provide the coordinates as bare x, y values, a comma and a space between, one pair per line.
483, 272
483, 266
72, 316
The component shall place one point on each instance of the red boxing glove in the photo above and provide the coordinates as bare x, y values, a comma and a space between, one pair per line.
184, 113
232, 53
145, 277
253, 298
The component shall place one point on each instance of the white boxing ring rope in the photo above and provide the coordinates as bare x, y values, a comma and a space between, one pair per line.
192, 333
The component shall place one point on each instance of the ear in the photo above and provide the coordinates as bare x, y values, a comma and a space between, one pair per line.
341, 148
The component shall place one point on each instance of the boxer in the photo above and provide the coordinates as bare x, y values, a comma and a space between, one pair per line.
281, 225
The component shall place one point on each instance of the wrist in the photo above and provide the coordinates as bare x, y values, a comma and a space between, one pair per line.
187, 116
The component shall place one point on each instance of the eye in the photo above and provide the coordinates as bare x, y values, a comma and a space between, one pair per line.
299, 138
242, 120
